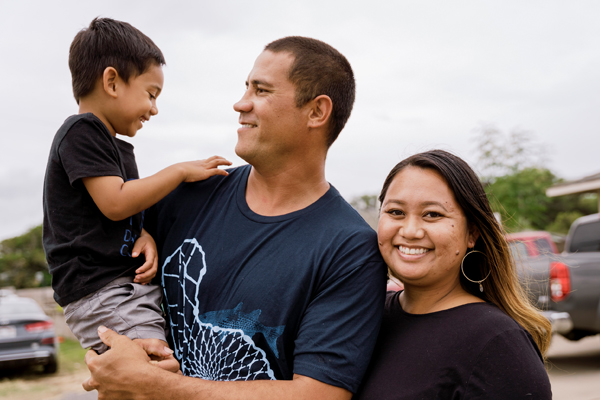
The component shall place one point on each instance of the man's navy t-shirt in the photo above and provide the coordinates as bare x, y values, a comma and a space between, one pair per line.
255, 297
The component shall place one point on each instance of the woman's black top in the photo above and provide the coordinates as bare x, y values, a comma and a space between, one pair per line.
474, 351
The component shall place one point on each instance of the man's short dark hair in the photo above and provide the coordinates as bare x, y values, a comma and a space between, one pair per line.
109, 43
320, 69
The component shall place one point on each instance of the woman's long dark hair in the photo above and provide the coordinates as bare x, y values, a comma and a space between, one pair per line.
502, 287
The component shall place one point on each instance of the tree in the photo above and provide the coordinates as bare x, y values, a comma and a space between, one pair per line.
514, 175
521, 199
501, 155
23, 262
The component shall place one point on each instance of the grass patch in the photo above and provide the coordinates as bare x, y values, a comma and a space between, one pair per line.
71, 356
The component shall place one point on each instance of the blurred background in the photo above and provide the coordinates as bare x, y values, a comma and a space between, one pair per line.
512, 87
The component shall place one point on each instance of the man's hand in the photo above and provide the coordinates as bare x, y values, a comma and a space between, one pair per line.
125, 371
145, 245
160, 354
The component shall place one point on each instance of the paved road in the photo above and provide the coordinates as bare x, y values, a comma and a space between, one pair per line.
573, 367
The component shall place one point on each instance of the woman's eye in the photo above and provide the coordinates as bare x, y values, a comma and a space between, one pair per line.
395, 212
433, 214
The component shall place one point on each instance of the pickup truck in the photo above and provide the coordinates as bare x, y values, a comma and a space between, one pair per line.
567, 285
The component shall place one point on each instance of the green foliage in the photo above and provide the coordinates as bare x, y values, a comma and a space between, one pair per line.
563, 221
513, 173
23, 262
521, 199
71, 356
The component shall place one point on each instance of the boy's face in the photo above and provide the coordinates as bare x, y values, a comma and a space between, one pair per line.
136, 101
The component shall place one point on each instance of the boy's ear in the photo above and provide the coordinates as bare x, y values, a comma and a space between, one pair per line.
109, 81
320, 111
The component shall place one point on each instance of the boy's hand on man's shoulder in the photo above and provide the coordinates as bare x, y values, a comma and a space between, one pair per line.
203, 169
145, 245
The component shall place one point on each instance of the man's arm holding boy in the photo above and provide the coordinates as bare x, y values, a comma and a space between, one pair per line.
125, 373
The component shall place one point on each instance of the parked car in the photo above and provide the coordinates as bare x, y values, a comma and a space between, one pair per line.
536, 255
27, 335
531, 243
567, 285
575, 279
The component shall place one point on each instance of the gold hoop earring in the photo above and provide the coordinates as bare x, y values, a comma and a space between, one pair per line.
463, 271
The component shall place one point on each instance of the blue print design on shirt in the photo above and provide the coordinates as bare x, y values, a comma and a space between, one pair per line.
129, 237
236, 319
217, 345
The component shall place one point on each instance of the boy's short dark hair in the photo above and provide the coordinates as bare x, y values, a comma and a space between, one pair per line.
109, 43
320, 69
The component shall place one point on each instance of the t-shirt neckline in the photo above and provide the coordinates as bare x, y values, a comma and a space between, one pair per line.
246, 211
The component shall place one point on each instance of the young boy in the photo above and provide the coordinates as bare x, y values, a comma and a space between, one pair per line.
93, 199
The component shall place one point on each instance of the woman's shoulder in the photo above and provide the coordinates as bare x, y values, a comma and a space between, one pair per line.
481, 320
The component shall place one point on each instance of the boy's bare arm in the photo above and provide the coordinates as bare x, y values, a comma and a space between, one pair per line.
118, 200
124, 372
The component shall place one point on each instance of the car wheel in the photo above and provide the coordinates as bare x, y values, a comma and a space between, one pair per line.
51, 367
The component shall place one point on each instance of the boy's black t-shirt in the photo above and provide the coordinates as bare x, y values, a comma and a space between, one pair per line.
86, 250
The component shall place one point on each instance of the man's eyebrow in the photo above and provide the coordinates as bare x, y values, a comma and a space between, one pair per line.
257, 82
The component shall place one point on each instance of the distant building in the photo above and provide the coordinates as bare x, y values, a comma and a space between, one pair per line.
588, 184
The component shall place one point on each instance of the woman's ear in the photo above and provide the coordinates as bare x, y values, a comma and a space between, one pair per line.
109, 81
473, 236
320, 111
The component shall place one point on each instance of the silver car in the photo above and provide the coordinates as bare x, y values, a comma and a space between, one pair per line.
26, 334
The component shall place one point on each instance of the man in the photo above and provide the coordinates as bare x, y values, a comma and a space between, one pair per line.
269, 275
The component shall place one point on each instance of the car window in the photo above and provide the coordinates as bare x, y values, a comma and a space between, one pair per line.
543, 246
586, 237
518, 249
17, 308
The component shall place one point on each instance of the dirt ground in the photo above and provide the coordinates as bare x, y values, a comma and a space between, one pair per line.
36, 386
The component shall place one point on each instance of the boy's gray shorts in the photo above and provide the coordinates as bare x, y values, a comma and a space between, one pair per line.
128, 308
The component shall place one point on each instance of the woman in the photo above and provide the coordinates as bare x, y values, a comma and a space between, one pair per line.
462, 328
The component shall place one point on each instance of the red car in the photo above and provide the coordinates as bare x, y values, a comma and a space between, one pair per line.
531, 244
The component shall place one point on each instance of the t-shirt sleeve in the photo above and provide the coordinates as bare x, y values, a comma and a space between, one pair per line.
87, 151
339, 329
509, 367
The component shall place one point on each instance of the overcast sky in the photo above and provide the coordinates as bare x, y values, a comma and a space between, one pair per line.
428, 73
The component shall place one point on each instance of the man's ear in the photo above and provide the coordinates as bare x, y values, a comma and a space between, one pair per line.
320, 111
109, 81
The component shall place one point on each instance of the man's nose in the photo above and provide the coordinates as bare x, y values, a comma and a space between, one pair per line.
243, 105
